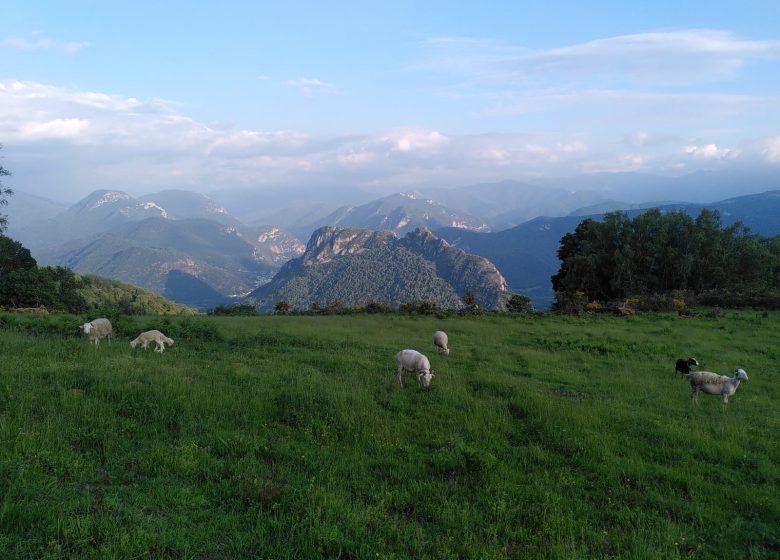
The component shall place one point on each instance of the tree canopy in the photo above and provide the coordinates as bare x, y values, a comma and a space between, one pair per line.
5, 192
659, 253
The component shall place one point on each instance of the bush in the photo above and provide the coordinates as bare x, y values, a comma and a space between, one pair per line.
568, 303
520, 304
236, 310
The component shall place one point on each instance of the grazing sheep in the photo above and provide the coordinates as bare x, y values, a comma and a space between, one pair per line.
97, 329
152, 336
412, 360
683, 365
715, 384
440, 340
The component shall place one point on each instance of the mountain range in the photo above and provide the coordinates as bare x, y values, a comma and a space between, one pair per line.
142, 240
400, 213
190, 248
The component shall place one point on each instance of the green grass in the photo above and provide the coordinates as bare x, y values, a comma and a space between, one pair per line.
288, 437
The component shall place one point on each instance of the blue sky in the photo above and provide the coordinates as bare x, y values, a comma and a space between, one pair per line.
142, 96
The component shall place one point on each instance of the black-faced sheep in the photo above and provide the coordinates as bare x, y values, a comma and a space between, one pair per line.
151, 336
440, 340
684, 365
715, 384
415, 362
97, 329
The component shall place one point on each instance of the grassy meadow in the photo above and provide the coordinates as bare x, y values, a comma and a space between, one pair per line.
289, 438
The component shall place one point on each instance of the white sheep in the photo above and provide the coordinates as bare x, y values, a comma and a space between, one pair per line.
415, 362
97, 329
715, 384
152, 336
440, 340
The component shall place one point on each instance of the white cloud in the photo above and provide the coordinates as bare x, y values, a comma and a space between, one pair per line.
36, 42
53, 129
311, 86
669, 57
405, 140
710, 151
356, 158
77, 141
772, 151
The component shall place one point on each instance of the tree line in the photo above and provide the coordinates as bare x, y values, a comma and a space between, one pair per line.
659, 253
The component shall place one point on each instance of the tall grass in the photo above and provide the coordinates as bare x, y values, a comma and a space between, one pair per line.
288, 437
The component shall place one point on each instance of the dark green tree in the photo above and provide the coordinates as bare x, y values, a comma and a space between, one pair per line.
283, 308
520, 304
14, 256
658, 253
5, 192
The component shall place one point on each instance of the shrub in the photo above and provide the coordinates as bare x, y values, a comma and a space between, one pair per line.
520, 304
240, 309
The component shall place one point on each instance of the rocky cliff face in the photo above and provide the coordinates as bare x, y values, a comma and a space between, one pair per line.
356, 266
330, 242
464, 271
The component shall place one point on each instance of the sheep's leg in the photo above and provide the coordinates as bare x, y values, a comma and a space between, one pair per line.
400, 376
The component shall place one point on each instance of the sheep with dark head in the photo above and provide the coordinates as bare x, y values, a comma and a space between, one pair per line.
684, 365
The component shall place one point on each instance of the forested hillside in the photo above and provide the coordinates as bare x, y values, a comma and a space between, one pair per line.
659, 253
355, 267
24, 284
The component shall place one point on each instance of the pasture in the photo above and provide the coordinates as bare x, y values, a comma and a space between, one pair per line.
288, 437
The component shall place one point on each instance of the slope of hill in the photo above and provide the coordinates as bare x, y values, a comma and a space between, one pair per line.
104, 293
527, 254
24, 208
144, 254
108, 210
357, 266
400, 213
141, 240
179, 204
509, 203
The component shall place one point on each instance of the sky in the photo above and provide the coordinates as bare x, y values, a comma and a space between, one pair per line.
144, 96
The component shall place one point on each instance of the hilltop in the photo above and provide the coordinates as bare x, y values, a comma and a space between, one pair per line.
357, 266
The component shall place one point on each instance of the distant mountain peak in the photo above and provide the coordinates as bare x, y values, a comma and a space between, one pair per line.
152, 205
329, 242
107, 197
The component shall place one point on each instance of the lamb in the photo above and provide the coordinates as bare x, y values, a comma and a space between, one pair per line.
683, 365
440, 340
97, 329
715, 384
414, 361
152, 336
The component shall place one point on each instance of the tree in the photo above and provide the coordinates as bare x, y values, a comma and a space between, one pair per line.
14, 256
4, 194
283, 308
659, 253
520, 304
